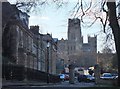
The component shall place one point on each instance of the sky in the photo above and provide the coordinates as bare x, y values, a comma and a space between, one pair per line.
55, 21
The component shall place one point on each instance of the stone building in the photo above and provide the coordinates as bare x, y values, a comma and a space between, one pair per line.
47, 38
73, 50
25, 47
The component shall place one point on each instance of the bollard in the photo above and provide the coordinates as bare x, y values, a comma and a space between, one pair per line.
97, 74
71, 74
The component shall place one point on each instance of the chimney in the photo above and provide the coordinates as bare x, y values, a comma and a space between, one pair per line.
34, 29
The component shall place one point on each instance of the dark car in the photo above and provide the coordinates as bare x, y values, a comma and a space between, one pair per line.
66, 76
86, 78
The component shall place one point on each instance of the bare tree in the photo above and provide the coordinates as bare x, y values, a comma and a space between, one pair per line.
32, 5
106, 49
111, 17
113, 22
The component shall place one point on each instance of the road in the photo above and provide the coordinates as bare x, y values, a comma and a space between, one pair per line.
63, 85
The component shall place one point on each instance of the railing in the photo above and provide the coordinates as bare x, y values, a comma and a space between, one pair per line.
20, 73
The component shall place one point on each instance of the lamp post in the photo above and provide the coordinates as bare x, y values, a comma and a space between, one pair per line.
48, 45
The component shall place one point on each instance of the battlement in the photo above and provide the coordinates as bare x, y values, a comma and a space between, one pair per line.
74, 21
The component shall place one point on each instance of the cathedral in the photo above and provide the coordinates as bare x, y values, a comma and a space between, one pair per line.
73, 50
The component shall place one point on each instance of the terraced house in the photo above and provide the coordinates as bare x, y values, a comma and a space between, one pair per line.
24, 50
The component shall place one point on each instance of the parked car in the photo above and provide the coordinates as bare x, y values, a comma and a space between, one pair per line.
115, 75
86, 78
90, 78
107, 76
64, 77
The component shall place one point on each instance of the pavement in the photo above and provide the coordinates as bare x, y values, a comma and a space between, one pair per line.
6, 83
43, 84
23, 83
38, 85
76, 84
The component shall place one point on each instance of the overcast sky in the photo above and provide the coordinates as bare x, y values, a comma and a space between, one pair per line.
55, 21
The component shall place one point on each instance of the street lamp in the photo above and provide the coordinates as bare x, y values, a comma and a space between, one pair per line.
48, 45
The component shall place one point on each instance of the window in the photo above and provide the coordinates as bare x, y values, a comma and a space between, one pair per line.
74, 48
68, 48
34, 49
39, 65
20, 39
71, 48
29, 43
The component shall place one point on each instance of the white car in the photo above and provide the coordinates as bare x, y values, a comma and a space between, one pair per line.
115, 75
107, 76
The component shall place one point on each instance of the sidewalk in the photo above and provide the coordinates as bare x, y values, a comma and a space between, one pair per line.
44, 84
23, 83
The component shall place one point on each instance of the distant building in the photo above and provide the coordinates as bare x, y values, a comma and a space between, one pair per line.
74, 50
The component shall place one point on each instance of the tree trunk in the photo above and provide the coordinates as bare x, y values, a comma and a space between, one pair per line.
115, 30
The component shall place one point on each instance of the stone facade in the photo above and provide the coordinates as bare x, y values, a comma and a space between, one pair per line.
23, 46
74, 50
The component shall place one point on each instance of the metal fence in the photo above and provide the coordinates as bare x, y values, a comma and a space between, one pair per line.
20, 73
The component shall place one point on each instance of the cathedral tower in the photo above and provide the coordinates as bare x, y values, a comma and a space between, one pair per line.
75, 39
74, 29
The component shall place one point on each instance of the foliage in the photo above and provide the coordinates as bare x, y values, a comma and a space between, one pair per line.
115, 62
